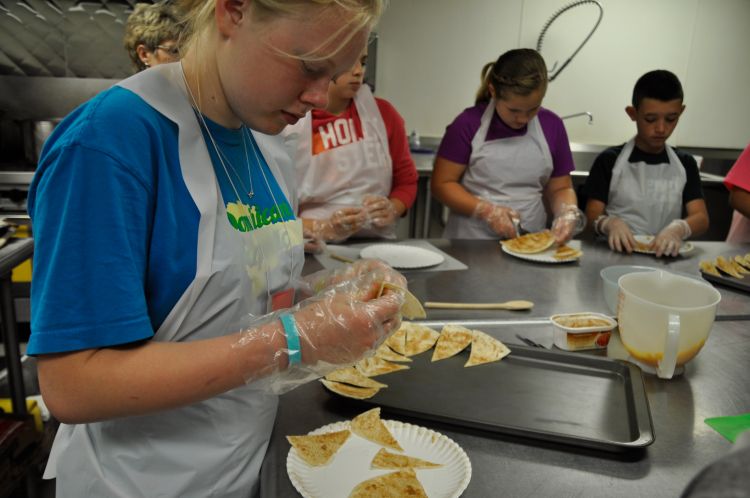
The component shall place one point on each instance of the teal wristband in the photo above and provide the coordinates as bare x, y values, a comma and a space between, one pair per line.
292, 339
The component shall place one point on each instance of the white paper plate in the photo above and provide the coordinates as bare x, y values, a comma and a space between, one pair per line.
547, 256
351, 464
686, 247
403, 256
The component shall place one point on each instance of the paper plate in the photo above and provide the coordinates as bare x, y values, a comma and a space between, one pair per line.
686, 247
547, 256
403, 256
351, 464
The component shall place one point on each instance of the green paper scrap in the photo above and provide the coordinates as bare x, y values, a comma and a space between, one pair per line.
730, 427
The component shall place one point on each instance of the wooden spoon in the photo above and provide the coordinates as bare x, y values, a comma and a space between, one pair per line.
507, 305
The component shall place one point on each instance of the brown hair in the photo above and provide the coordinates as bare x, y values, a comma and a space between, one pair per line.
150, 25
199, 16
519, 72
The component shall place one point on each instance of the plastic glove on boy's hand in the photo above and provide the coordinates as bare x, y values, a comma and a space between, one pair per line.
498, 218
619, 235
669, 240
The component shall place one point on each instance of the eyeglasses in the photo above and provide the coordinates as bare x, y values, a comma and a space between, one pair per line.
172, 50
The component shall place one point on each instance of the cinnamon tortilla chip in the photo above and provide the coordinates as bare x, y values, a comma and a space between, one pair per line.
643, 247
743, 261
710, 268
384, 459
567, 252
531, 242
740, 268
727, 267
411, 308
369, 426
377, 366
317, 450
453, 339
397, 341
395, 484
351, 375
419, 338
388, 354
485, 349
350, 391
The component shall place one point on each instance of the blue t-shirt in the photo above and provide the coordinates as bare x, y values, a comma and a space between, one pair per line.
115, 227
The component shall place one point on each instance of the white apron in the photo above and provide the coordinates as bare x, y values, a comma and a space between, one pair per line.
510, 172
646, 196
215, 447
342, 176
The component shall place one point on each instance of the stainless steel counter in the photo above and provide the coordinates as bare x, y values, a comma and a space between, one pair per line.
715, 383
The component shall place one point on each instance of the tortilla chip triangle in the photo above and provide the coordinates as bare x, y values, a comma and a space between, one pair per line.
567, 252
710, 268
377, 366
350, 391
397, 341
401, 483
727, 267
317, 450
384, 459
369, 426
740, 268
388, 354
418, 338
453, 339
743, 261
351, 375
411, 308
485, 349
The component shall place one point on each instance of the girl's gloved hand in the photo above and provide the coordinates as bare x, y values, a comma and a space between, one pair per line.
498, 218
569, 221
380, 211
338, 326
318, 281
342, 224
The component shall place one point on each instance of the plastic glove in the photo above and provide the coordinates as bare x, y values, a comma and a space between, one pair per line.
569, 221
618, 233
498, 218
318, 281
313, 244
342, 224
669, 240
336, 327
380, 211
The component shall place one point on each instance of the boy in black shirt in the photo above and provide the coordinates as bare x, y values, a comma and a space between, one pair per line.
644, 186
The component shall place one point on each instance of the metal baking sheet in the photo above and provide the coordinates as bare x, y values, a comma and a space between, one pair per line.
736, 283
568, 398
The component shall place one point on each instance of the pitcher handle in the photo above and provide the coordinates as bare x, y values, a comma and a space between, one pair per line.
665, 368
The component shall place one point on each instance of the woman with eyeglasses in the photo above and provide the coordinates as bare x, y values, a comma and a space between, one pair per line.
168, 256
152, 33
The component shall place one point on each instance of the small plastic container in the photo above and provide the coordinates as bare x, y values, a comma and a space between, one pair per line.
579, 331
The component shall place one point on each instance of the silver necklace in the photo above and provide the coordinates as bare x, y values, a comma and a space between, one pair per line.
244, 130
220, 154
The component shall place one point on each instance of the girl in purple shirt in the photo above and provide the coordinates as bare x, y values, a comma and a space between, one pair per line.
504, 160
